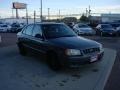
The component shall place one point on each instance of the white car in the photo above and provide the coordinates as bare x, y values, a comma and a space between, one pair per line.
4, 28
83, 29
118, 30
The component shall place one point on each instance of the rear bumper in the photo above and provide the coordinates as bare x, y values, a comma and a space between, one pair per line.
76, 62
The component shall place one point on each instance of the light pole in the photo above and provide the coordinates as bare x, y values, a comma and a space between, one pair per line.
12, 13
17, 14
48, 13
34, 16
26, 15
89, 10
41, 10
59, 14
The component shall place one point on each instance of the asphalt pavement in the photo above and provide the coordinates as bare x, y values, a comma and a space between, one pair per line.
113, 82
31, 73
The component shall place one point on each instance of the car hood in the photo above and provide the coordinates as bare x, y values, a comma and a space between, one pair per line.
85, 29
74, 42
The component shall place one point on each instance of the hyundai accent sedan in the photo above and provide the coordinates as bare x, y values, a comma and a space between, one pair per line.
60, 44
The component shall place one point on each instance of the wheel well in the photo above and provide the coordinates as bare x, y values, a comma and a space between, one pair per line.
19, 43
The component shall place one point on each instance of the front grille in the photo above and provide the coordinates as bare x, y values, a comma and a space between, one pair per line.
91, 50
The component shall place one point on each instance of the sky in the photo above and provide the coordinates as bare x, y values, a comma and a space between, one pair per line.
66, 6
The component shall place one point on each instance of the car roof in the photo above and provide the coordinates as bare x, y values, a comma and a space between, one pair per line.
3, 24
81, 23
104, 24
47, 23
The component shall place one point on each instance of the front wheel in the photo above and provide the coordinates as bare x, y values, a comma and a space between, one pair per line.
53, 62
22, 49
117, 34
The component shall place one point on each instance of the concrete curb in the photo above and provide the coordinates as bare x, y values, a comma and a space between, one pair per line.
103, 80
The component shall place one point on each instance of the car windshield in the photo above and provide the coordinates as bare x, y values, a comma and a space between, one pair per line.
83, 26
3, 25
57, 30
106, 26
15, 25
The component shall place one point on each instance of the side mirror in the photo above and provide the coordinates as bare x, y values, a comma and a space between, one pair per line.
38, 36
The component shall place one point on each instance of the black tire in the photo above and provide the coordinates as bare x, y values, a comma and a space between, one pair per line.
22, 49
117, 34
53, 62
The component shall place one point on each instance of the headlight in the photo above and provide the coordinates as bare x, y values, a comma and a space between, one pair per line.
73, 52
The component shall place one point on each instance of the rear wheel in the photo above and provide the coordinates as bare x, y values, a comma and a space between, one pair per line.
53, 62
22, 49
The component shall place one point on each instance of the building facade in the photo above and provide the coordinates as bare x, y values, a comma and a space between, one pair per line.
110, 17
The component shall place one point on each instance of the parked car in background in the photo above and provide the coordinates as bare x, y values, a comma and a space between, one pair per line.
4, 28
70, 24
61, 45
15, 27
118, 30
115, 25
22, 25
105, 29
83, 29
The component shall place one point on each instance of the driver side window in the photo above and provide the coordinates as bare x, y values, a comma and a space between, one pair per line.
37, 31
28, 30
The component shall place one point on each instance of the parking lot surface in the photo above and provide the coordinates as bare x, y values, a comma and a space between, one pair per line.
113, 82
7, 39
26, 71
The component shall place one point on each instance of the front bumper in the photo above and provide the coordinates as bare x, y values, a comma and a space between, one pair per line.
77, 61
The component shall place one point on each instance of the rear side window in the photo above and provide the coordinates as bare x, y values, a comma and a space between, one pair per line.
37, 30
28, 30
